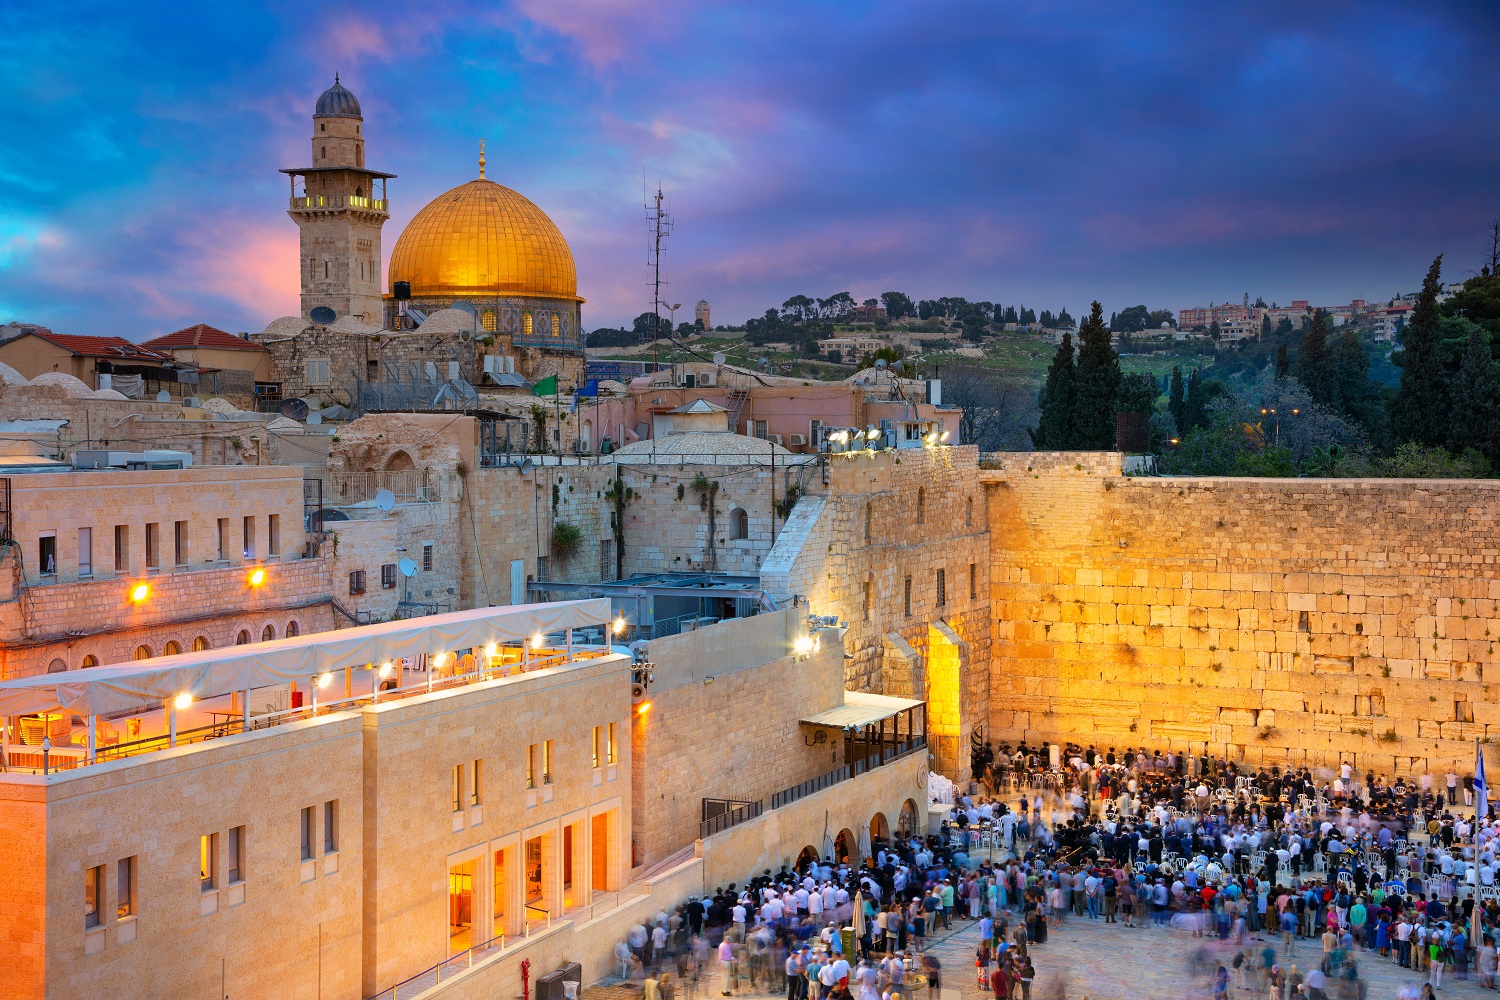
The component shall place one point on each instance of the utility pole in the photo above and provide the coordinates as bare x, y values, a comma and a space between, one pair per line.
660, 224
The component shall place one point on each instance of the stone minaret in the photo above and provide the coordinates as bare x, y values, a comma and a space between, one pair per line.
340, 208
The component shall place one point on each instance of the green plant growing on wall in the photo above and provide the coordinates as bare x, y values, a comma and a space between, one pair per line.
539, 421
620, 496
785, 504
707, 492
567, 539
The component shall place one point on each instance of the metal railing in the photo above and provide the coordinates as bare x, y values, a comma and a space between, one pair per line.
341, 201
443, 971
729, 818
789, 795
412, 486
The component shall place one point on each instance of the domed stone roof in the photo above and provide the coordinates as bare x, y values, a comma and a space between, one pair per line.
337, 102
483, 239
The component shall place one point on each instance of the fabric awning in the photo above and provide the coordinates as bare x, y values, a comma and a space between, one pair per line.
861, 708
127, 687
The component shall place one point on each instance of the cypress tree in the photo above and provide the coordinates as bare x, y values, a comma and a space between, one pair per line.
1312, 360
1195, 408
1474, 420
1177, 401
1420, 410
1096, 386
1054, 431
1283, 363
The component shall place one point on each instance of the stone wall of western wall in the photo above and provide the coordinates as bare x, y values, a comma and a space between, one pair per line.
1278, 621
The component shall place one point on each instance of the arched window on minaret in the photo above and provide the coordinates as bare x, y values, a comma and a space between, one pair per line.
325, 152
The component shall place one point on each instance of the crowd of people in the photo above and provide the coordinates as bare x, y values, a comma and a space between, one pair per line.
1290, 880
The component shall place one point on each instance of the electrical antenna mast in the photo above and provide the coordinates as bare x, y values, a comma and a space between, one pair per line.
660, 224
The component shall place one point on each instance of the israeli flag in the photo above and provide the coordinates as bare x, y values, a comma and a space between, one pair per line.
1481, 789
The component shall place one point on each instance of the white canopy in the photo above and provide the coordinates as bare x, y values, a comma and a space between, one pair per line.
125, 687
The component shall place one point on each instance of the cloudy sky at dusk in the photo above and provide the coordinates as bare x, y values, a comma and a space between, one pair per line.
1029, 153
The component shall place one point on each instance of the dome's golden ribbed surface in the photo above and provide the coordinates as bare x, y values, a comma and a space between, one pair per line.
482, 238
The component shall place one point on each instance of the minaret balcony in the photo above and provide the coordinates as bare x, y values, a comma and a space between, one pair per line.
333, 202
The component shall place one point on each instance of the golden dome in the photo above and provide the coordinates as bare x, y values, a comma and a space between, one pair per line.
483, 239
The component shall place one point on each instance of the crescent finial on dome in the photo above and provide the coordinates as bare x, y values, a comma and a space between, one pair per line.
481, 159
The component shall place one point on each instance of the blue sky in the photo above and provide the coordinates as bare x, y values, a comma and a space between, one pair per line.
1030, 153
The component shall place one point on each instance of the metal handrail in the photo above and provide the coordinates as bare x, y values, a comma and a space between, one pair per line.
733, 817
431, 976
789, 795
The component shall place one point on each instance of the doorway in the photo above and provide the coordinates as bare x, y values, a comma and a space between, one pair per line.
461, 906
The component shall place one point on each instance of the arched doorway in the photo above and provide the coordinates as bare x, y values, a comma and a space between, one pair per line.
588, 435
880, 828
57, 666
907, 823
845, 847
809, 854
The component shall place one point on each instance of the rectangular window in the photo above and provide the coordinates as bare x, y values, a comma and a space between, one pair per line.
357, 582
610, 753
249, 537
906, 598
122, 548
388, 576
208, 861
458, 787
973, 581
237, 854
942, 587
547, 762
869, 598
223, 543
317, 371
475, 774
85, 551
426, 557
153, 546
598, 746
93, 896
760, 429
46, 553
180, 542
273, 534
309, 845
331, 826
531, 766
124, 888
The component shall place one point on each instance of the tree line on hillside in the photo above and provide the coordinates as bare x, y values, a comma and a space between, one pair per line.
1303, 404
803, 318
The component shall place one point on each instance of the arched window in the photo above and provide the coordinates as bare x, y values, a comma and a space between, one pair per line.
526, 322
142, 653
921, 503
739, 523
325, 152
243, 639
90, 661
556, 326
57, 666
200, 644
293, 629
172, 648
487, 319
268, 633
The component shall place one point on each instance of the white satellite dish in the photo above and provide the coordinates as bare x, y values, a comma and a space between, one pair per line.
164, 396
315, 418
719, 358
385, 500
408, 567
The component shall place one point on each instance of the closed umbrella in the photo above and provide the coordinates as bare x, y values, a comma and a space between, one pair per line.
859, 914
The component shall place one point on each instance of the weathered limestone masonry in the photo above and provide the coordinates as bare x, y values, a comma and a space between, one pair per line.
1278, 621
872, 552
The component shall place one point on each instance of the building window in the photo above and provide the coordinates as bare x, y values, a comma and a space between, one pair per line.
921, 504
47, 553
85, 551
869, 598
172, 648
969, 513
973, 581
142, 653
237, 855
475, 775
180, 542
249, 537
526, 322
942, 587
122, 548
208, 861
153, 546
598, 746
426, 557
357, 582
458, 787
273, 534
487, 319
906, 597
93, 896
739, 520
223, 545
293, 629
309, 845
243, 639
268, 633
869, 521
531, 765
388, 576
611, 754
547, 762
331, 826
556, 326
89, 661
759, 428
316, 370
125, 888
200, 644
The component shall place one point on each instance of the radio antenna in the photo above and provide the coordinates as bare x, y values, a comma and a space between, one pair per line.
659, 223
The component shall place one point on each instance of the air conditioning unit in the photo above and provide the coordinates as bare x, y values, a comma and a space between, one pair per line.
797, 440
774, 438
708, 379
191, 401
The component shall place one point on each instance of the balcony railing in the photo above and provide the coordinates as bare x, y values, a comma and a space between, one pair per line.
341, 201
789, 795
729, 817
359, 487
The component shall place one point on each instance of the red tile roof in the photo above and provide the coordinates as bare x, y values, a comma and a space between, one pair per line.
203, 335
102, 347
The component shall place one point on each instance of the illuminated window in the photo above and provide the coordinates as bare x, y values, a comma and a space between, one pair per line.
531, 766
208, 861
200, 644
143, 652
172, 648
125, 888
610, 747
47, 553
476, 774
526, 324
598, 746
90, 661
458, 787
556, 326
93, 893
488, 320
547, 763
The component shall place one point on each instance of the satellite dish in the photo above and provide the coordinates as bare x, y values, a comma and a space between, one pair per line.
719, 358
385, 500
408, 567
323, 314
294, 408
315, 418
164, 396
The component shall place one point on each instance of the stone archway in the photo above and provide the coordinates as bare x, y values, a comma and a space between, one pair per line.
845, 845
907, 823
